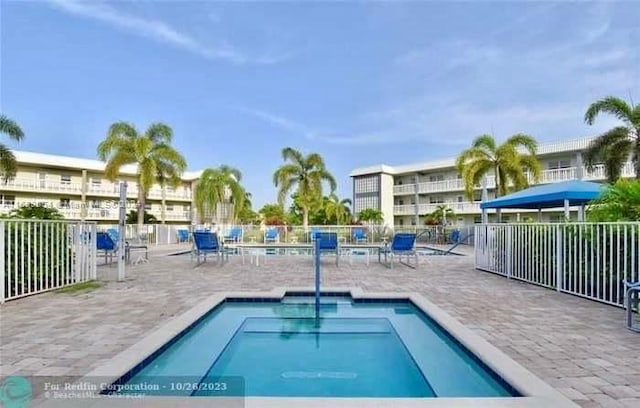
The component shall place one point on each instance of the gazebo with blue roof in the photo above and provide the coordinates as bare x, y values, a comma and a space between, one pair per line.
555, 195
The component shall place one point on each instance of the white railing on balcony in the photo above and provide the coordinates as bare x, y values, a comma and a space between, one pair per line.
424, 209
32, 184
404, 189
38, 256
546, 176
586, 259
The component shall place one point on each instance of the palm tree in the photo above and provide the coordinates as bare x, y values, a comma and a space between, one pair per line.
370, 215
441, 214
306, 174
8, 163
165, 176
614, 147
217, 185
505, 161
151, 151
339, 209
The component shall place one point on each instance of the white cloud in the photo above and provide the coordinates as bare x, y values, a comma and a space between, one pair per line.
157, 30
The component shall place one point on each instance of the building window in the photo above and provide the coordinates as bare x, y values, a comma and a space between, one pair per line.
400, 202
7, 200
559, 164
436, 200
439, 177
477, 220
96, 204
147, 206
368, 184
460, 199
65, 179
169, 207
401, 221
96, 182
65, 203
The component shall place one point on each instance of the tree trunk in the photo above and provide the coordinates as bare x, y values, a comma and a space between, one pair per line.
636, 154
163, 213
141, 205
305, 219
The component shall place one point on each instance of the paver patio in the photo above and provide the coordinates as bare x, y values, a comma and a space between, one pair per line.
576, 345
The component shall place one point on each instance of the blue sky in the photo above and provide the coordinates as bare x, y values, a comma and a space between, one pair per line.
361, 83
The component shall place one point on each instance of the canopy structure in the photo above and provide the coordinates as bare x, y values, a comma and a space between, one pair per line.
554, 195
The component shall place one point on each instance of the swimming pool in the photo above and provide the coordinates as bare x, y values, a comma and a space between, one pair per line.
357, 348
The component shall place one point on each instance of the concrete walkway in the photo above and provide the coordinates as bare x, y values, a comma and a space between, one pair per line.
578, 346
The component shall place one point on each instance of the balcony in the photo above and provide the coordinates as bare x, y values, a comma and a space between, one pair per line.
41, 186
424, 209
113, 190
546, 177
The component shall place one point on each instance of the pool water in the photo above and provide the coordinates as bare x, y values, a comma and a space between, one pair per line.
354, 349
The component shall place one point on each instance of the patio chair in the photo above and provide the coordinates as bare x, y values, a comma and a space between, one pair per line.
205, 243
449, 251
234, 235
359, 235
271, 235
105, 243
128, 247
403, 243
313, 234
328, 243
183, 235
632, 296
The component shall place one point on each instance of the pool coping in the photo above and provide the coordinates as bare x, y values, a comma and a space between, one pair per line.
535, 392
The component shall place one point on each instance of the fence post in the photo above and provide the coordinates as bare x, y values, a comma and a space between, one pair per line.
93, 251
2, 265
559, 263
508, 246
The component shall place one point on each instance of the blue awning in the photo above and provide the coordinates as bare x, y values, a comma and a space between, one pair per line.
548, 195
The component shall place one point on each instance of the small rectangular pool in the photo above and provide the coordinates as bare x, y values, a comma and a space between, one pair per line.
355, 349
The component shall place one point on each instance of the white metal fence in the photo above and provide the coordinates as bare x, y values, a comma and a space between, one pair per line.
37, 256
586, 259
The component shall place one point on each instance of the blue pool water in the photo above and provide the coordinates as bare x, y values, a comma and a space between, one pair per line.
355, 349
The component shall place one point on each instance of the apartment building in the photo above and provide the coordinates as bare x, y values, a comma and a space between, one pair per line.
406, 194
79, 190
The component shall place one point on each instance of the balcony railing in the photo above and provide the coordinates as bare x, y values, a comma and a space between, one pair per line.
424, 209
104, 190
547, 176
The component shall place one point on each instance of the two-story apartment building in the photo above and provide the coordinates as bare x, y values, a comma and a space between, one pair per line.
406, 194
79, 190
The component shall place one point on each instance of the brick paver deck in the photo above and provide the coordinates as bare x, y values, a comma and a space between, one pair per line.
578, 346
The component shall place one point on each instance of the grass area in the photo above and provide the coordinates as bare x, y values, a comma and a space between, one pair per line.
82, 287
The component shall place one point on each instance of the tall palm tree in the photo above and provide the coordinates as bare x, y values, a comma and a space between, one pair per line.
614, 147
166, 177
151, 151
305, 174
339, 209
217, 185
8, 163
505, 161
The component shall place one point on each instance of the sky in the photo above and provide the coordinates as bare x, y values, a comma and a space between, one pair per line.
361, 83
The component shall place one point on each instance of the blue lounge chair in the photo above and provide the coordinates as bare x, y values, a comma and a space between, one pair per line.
327, 243
401, 244
205, 243
359, 235
459, 241
271, 235
183, 235
234, 235
105, 243
313, 234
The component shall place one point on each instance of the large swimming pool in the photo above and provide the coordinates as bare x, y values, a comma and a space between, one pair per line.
269, 347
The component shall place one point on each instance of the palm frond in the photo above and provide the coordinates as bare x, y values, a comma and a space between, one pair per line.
289, 153
485, 142
521, 140
10, 128
612, 105
8, 163
159, 133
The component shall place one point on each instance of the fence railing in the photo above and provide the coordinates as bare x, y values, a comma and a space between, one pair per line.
37, 256
586, 259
